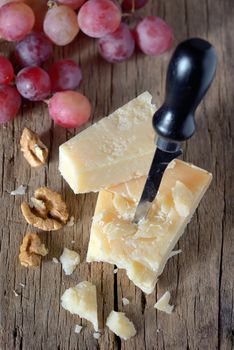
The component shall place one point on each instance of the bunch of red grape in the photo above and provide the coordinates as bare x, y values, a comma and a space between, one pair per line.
38, 24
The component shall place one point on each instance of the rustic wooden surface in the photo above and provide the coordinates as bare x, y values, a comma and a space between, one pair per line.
200, 279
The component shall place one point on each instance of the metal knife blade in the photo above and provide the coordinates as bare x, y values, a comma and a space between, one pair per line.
160, 162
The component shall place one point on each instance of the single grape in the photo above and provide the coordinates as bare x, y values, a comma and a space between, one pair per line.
6, 71
153, 36
33, 50
10, 102
131, 5
98, 18
117, 46
60, 25
33, 83
69, 109
16, 21
39, 8
74, 4
4, 2
65, 75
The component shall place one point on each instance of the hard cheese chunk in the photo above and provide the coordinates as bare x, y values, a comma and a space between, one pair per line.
118, 323
116, 149
144, 249
82, 301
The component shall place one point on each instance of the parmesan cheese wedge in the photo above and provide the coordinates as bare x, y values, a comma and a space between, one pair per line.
116, 149
163, 303
119, 324
143, 249
81, 300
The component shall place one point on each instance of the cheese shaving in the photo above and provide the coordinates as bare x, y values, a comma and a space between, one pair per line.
125, 301
20, 191
174, 252
163, 303
96, 335
78, 329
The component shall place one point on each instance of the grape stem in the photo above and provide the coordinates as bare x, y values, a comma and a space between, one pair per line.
51, 4
126, 14
133, 6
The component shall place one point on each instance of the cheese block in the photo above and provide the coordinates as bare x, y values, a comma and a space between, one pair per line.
144, 249
81, 300
118, 323
116, 149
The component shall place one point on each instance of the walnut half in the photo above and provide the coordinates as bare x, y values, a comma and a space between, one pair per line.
34, 151
49, 211
31, 250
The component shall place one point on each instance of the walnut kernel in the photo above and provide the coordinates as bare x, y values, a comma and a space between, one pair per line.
31, 250
49, 212
34, 151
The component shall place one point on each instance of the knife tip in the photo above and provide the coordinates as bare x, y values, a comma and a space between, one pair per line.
141, 212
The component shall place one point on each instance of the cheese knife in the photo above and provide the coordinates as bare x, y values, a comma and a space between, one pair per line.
190, 73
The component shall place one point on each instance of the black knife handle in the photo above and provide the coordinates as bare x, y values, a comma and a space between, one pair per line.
190, 73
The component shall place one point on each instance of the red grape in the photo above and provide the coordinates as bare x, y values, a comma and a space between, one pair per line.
153, 36
10, 102
6, 70
16, 21
75, 4
33, 50
33, 83
60, 25
117, 46
69, 109
98, 18
65, 75
40, 8
131, 5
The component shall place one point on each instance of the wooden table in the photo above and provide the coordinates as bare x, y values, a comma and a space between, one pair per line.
200, 279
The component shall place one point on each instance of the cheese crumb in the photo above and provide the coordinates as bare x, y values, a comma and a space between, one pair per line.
116, 270
20, 191
55, 260
78, 329
163, 303
125, 301
96, 335
81, 300
174, 252
70, 221
16, 294
119, 324
69, 260
182, 198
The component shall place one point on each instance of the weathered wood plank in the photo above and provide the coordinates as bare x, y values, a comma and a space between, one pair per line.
200, 278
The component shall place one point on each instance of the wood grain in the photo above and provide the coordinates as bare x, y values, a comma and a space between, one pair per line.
200, 279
